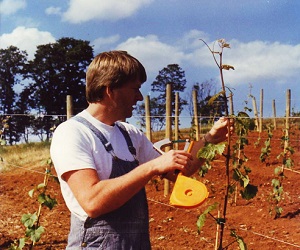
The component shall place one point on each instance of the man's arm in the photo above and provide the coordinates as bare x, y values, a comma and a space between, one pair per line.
98, 197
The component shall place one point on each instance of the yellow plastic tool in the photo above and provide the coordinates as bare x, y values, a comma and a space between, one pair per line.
187, 192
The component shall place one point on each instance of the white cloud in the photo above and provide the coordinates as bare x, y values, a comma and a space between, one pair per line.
152, 53
102, 42
82, 11
259, 60
191, 39
53, 11
8, 7
26, 21
254, 62
26, 39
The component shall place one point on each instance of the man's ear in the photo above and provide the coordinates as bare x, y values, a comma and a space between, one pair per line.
109, 92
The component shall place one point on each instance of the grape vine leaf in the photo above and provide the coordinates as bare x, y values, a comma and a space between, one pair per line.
211, 150
47, 201
202, 218
239, 176
249, 192
28, 220
239, 240
35, 233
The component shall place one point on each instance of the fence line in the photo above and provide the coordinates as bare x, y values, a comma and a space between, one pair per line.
158, 116
168, 126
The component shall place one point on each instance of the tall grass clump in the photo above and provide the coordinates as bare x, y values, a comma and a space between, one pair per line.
28, 155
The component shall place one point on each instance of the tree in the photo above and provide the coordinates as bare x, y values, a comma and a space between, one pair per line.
25, 120
58, 70
211, 107
12, 63
208, 105
176, 76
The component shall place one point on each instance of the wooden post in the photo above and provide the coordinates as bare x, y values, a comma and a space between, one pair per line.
148, 118
255, 113
261, 110
69, 106
196, 121
168, 128
217, 232
287, 117
274, 114
231, 110
176, 132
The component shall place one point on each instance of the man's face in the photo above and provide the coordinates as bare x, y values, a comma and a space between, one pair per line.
126, 97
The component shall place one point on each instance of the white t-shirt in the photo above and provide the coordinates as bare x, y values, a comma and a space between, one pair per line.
74, 146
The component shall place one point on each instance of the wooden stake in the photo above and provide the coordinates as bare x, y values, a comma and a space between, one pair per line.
148, 118
168, 128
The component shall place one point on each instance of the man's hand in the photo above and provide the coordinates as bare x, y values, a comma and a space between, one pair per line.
220, 131
173, 160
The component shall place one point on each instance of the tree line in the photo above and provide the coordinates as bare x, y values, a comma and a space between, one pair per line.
40, 86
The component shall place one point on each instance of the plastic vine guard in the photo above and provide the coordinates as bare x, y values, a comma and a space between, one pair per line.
187, 192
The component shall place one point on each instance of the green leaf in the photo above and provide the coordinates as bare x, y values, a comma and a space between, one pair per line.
210, 151
238, 176
35, 234
201, 221
49, 161
278, 211
247, 169
31, 192
277, 170
249, 192
204, 169
16, 246
38, 187
275, 183
292, 151
214, 98
47, 201
41, 198
289, 163
242, 123
13, 247
41, 185
280, 190
202, 218
21, 243
28, 220
239, 240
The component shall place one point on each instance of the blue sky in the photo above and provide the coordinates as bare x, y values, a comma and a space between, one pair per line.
264, 36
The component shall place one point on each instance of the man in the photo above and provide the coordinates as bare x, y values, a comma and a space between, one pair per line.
104, 164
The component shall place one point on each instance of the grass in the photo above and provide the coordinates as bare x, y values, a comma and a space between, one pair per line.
29, 155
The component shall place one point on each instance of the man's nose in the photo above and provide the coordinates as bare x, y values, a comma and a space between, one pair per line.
140, 96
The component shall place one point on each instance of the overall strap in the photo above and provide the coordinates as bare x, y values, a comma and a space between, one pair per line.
123, 130
96, 131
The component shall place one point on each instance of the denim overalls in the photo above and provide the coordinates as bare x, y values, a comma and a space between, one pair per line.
122, 229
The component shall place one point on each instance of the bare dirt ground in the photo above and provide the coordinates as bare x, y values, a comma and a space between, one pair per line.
175, 228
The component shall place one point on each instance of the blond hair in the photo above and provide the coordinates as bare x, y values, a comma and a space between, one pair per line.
111, 69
